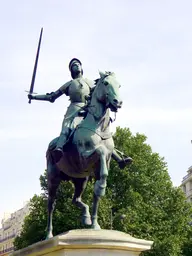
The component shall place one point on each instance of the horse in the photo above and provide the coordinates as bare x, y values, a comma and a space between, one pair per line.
88, 153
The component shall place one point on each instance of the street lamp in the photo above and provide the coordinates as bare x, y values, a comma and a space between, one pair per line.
121, 217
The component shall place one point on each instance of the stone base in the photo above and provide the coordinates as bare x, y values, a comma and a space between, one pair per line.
86, 242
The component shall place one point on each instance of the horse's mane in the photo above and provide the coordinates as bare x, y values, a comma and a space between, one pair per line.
107, 73
96, 81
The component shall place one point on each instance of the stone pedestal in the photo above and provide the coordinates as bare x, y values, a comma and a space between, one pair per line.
88, 242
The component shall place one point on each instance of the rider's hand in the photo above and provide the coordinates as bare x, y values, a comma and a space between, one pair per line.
51, 97
30, 97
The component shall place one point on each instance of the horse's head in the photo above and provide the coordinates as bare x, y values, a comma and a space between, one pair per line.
108, 91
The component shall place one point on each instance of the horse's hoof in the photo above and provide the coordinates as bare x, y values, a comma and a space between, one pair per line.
50, 235
96, 226
86, 220
99, 189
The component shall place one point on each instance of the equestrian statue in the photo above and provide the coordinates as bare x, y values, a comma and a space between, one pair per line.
85, 145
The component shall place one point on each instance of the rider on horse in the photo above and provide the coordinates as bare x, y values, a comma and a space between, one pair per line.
78, 90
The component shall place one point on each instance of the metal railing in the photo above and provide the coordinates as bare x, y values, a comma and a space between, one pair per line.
7, 238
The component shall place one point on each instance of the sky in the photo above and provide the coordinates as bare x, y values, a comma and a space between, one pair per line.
147, 43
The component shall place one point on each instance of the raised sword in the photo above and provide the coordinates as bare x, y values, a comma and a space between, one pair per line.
35, 66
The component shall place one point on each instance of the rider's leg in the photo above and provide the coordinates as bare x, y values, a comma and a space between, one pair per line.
61, 140
65, 130
58, 151
122, 162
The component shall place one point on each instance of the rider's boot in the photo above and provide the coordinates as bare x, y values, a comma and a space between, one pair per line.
58, 151
122, 161
125, 161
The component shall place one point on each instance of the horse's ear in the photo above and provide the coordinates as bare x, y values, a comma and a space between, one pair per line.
110, 73
101, 74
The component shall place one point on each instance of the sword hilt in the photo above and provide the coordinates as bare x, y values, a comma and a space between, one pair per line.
30, 93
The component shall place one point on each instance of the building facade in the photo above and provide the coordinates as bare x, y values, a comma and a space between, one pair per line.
186, 184
11, 227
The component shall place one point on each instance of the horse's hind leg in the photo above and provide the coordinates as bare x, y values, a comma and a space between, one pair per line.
53, 183
80, 185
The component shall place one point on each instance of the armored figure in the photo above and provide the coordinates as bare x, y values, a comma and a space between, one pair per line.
78, 90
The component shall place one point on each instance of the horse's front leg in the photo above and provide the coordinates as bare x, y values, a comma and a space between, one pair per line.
94, 217
100, 185
80, 185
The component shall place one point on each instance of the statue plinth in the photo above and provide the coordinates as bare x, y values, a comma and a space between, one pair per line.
86, 242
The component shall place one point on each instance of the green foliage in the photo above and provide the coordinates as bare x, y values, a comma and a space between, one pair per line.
143, 193
187, 246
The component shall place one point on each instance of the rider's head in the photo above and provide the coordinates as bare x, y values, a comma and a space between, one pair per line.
75, 67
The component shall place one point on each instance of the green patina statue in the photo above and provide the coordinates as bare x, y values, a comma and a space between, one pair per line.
85, 145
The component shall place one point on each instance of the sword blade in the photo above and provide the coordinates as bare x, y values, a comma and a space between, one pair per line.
35, 66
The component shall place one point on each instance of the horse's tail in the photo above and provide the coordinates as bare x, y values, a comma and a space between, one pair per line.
50, 149
49, 156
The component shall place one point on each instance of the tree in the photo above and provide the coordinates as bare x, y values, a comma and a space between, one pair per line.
33, 229
142, 192
187, 246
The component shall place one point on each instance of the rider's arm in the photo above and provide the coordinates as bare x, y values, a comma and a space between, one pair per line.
51, 96
64, 88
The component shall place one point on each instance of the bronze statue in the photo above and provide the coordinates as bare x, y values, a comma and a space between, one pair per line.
85, 145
